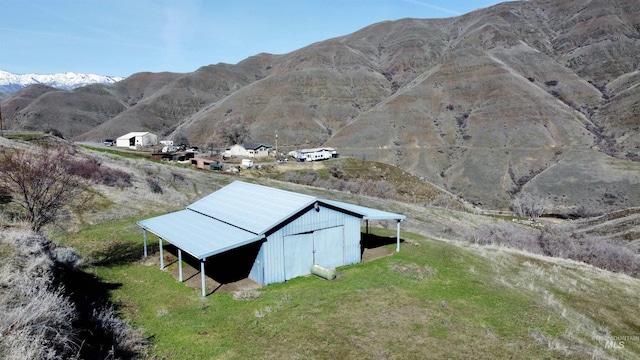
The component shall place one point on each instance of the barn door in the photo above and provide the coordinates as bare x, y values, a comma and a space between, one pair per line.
298, 255
329, 247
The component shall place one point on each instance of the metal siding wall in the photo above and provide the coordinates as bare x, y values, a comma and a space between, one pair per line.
329, 247
257, 273
273, 258
352, 248
298, 252
273, 255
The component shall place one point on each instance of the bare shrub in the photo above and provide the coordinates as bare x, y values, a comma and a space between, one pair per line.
507, 234
377, 188
597, 251
337, 172
91, 169
54, 132
40, 182
127, 340
36, 321
529, 205
38, 316
303, 177
584, 211
561, 242
154, 186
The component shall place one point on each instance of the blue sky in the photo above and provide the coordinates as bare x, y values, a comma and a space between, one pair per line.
122, 37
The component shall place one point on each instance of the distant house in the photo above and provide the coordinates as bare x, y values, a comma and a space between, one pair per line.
316, 154
134, 140
249, 150
266, 234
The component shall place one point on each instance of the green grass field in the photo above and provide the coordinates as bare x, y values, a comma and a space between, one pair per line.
431, 300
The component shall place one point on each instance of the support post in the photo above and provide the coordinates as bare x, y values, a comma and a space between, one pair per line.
367, 226
204, 290
144, 238
161, 255
398, 237
180, 265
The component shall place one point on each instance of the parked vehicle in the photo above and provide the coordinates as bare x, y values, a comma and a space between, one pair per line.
247, 163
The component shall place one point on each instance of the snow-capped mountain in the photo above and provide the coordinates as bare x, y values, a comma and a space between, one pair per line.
10, 83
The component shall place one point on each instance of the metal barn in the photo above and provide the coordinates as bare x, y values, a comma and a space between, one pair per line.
134, 140
294, 231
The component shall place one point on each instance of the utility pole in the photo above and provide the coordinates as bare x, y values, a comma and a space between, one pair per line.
1, 133
277, 155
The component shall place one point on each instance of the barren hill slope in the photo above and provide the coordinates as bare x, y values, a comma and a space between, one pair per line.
529, 97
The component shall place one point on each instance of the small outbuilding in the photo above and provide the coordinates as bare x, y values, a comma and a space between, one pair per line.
134, 140
289, 232
206, 163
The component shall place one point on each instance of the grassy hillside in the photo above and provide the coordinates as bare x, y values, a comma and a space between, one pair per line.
436, 298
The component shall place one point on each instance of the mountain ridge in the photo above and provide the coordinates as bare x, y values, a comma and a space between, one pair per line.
490, 105
10, 83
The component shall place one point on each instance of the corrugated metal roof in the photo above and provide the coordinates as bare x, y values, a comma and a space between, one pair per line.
133, 134
365, 212
239, 214
197, 234
254, 208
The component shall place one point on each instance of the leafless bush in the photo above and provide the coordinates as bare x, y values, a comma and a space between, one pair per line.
378, 188
54, 132
40, 182
337, 172
303, 177
530, 205
562, 242
507, 234
91, 169
585, 212
36, 321
593, 250
128, 341
154, 186
37, 317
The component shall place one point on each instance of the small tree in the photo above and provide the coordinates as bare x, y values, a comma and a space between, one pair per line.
40, 182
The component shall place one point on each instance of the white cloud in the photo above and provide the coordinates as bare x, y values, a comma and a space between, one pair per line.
434, 7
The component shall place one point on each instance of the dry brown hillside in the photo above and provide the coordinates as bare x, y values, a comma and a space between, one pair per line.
536, 98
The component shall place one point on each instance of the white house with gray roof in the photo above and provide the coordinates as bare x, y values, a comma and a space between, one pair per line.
289, 232
249, 150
